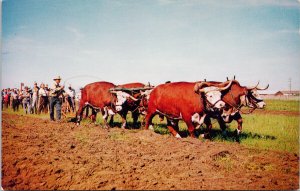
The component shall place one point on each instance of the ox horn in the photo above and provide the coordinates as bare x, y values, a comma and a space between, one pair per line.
198, 86
263, 88
251, 88
226, 87
133, 98
113, 92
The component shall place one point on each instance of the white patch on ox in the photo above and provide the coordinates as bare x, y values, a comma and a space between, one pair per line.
123, 125
151, 128
197, 119
121, 99
147, 93
178, 136
261, 104
105, 113
213, 96
110, 112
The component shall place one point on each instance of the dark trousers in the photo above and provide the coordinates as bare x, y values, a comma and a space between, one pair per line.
15, 104
71, 101
43, 103
55, 102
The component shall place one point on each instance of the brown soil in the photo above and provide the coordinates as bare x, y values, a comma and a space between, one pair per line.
275, 112
39, 154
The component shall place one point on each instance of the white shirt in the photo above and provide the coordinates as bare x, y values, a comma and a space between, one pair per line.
70, 92
42, 92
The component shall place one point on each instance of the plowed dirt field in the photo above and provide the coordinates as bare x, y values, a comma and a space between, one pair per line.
39, 154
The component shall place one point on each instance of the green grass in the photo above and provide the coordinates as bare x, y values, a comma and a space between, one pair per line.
264, 131
282, 105
276, 132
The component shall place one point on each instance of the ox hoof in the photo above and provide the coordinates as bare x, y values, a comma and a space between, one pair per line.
77, 124
151, 128
202, 135
178, 136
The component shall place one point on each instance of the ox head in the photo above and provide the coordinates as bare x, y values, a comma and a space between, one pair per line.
122, 98
145, 96
212, 94
253, 98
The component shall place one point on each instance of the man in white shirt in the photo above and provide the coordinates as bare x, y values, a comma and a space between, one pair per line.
35, 94
71, 97
43, 99
56, 92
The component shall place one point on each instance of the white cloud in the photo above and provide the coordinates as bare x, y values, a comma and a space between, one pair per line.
76, 33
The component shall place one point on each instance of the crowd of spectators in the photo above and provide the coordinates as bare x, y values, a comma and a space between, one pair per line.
35, 100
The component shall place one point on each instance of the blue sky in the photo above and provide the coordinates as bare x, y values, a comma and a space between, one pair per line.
153, 41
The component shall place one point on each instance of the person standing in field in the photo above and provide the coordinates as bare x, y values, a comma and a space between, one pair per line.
26, 99
56, 92
71, 97
15, 100
10, 97
47, 89
35, 93
43, 99
5, 98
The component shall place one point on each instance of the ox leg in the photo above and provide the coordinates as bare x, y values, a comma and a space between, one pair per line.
86, 111
79, 113
135, 117
189, 123
104, 112
111, 120
208, 124
223, 127
123, 115
148, 118
172, 126
239, 120
94, 116
191, 128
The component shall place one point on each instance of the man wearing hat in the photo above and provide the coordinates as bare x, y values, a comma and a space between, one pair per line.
26, 99
35, 95
71, 97
56, 92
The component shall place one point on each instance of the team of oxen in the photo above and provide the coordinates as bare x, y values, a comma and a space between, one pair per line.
193, 102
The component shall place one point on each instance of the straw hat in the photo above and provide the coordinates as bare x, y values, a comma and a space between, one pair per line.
57, 78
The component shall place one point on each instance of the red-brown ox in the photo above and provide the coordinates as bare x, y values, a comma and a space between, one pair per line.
97, 96
130, 104
236, 97
178, 101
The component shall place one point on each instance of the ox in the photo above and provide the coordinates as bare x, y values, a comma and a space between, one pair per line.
178, 101
236, 97
124, 104
97, 96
